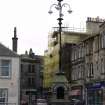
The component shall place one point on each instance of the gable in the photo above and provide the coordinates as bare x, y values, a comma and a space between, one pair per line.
4, 51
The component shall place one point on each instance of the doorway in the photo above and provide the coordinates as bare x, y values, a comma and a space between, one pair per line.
60, 93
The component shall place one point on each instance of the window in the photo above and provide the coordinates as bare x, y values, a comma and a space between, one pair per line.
91, 46
31, 68
96, 43
3, 95
90, 69
21, 67
31, 81
72, 55
79, 72
76, 72
73, 73
102, 66
75, 56
94, 97
87, 70
103, 40
82, 71
86, 48
5, 66
79, 52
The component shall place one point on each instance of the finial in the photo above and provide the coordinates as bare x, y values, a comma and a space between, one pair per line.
26, 52
30, 52
15, 32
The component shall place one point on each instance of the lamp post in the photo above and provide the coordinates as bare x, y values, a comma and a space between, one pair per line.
59, 7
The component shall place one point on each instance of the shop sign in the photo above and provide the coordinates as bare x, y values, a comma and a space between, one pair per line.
75, 92
97, 85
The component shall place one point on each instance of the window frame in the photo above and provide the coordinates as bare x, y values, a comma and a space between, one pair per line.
5, 96
9, 68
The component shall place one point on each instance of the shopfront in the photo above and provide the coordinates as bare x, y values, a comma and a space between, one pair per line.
76, 93
95, 93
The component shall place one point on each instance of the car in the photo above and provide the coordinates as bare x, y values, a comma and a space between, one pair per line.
41, 102
75, 102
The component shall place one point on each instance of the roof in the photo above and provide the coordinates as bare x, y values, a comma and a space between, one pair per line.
92, 36
4, 51
34, 58
60, 78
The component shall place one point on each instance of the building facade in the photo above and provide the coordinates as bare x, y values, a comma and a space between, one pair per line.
9, 77
31, 77
31, 74
88, 67
52, 55
82, 59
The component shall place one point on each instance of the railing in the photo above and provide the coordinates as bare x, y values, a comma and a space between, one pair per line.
70, 29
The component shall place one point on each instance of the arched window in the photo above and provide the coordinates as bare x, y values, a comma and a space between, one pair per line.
60, 93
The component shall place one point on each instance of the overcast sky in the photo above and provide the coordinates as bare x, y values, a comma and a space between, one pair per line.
33, 21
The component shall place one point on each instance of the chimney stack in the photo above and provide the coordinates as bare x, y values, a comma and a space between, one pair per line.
93, 25
14, 41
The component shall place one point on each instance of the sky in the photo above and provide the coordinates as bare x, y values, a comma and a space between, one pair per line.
34, 23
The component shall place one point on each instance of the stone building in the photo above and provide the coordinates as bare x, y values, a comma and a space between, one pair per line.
9, 77
84, 57
88, 66
21, 76
52, 55
31, 74
31, 77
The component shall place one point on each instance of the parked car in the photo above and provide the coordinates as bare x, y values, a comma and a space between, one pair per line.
41, 102
75, 102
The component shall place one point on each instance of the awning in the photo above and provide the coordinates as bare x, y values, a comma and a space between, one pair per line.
75, 92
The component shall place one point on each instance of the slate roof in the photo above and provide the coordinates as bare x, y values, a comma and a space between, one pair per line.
4, 51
